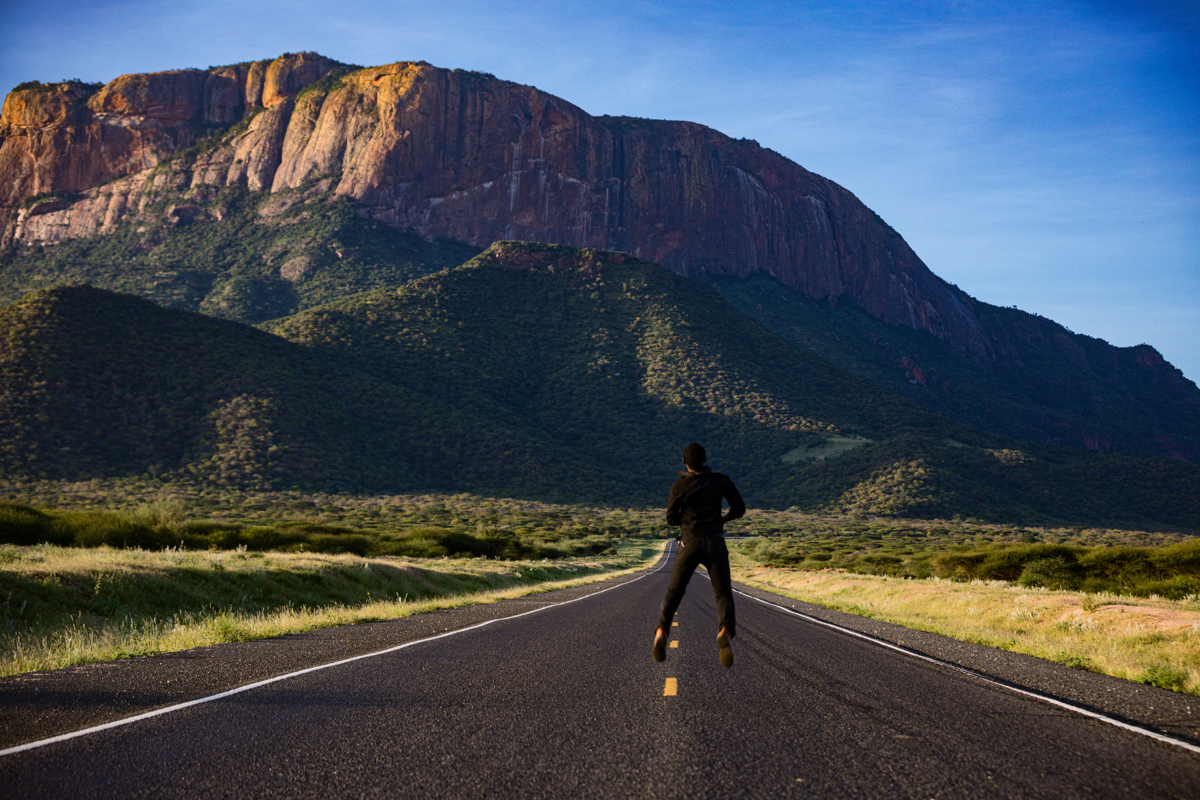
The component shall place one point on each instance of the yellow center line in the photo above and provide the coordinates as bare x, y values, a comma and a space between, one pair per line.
674, 644
674, 624
672, 688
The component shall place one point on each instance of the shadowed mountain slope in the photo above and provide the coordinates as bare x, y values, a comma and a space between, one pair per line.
1057, 387
533, 371
99, 384
615, 358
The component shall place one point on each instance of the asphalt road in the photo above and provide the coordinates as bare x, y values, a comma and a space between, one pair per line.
547, 698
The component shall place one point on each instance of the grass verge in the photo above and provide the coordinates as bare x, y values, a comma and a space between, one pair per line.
1148, 640
65, 606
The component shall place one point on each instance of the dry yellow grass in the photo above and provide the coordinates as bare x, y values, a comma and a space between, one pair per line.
83, 639
1149, 640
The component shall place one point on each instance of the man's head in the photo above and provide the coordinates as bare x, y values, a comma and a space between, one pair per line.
694, 457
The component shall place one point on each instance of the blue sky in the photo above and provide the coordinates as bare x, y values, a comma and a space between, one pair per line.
1038, 154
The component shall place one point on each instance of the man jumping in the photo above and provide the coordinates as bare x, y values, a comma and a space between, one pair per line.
694, 505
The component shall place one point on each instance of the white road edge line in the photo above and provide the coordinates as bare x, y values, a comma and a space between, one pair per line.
180, 706
1028, 693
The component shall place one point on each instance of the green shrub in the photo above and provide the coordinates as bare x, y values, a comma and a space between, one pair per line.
879, 564
165, 517
1170, 571
260, 538
21, 524
338, 543
591, 545
1074, 661
1175, 588
1119, 564
115, 530
1164, 676
1177, 559
959, 566
1051, 573
1005, 563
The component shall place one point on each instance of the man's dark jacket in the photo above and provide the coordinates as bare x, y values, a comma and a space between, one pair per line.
694, 503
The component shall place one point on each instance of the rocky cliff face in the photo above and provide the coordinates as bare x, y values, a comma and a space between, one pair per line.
464, 155
65, 138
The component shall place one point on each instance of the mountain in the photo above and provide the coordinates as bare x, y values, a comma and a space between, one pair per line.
534, 371
1053, 386
457, 154
255, 190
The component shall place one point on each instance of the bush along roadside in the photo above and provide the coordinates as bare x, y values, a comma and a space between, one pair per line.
163, 525
1169, 571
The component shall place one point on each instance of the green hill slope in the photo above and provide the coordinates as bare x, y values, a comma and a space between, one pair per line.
99, 384
623, 361
619, 363
96, 384
255, 257
1052, 386
531, 371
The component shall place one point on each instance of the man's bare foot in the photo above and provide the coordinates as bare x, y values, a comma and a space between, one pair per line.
660, 645
723, 642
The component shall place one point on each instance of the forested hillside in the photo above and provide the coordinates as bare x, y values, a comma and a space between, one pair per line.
1054, 386
531, 371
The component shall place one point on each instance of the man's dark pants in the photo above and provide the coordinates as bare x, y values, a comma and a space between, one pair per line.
712, 553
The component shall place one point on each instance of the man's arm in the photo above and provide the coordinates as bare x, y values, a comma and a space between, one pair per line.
674, 506
737, 507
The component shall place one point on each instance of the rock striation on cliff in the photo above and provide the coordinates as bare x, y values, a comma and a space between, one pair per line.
463, 155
